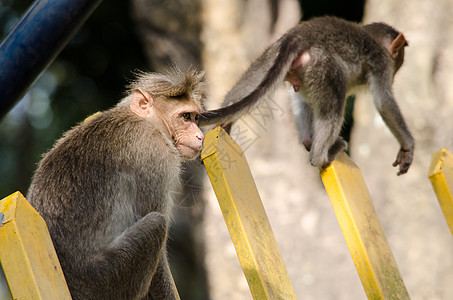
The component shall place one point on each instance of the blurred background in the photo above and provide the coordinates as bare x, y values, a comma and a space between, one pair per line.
223, 37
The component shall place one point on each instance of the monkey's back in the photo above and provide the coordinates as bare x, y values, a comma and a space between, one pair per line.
333, 35
98, 171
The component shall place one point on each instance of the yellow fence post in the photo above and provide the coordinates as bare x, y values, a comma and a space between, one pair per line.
27, 254
362, 230
245, 217
441, 176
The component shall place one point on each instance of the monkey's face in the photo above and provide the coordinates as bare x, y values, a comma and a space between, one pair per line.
175, 117
186, 134
180, 117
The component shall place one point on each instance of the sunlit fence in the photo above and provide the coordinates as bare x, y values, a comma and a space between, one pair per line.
362, 230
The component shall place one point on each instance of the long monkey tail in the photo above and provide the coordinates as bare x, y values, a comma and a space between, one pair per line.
288, 51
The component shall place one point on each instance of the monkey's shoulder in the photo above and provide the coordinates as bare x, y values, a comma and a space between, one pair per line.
110, 138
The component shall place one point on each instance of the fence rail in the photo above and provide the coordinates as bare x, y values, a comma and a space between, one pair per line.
32, 269
441, 176
27, 254
362, 230
245, 217
255, 243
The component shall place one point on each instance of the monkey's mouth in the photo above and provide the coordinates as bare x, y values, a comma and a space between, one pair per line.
189, 151
192, 148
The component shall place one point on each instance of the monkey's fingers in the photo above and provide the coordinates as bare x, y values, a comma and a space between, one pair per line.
404, 160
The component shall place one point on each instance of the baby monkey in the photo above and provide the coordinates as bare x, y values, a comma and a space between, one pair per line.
326, 59
105, 188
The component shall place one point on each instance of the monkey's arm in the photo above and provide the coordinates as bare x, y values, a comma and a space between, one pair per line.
129, 263
391, 114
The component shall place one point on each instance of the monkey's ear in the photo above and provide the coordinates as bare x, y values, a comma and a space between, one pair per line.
141, 103
398, 43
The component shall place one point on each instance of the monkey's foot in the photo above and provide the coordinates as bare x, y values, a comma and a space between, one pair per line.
320, 161
323, 160
337, 147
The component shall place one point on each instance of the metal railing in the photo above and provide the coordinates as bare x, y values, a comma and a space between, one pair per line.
35, 42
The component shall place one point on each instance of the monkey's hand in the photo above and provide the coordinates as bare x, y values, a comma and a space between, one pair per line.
404, 160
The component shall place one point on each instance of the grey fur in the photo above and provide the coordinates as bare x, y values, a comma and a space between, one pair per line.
342, 57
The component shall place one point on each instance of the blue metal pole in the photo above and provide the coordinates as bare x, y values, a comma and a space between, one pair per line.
35, 42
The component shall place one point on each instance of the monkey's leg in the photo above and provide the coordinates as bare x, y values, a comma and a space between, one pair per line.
124, 270
162, 284
325, 86
326, 142
303, 115
328, 118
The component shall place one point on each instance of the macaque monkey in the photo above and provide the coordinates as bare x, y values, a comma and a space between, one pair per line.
105, 189
325, 59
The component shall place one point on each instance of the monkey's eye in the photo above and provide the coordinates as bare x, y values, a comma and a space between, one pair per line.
178, 97
197, 117
186, 116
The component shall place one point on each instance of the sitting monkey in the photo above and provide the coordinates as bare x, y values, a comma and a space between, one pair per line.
105, 188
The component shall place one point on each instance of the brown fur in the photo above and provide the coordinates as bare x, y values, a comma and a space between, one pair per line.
105, 188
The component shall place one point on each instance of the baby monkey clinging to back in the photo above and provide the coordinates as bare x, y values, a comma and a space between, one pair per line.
324, 59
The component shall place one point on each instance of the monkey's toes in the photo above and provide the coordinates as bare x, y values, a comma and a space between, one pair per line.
320, 163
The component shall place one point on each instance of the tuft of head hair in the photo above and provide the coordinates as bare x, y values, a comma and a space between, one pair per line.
173, 84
